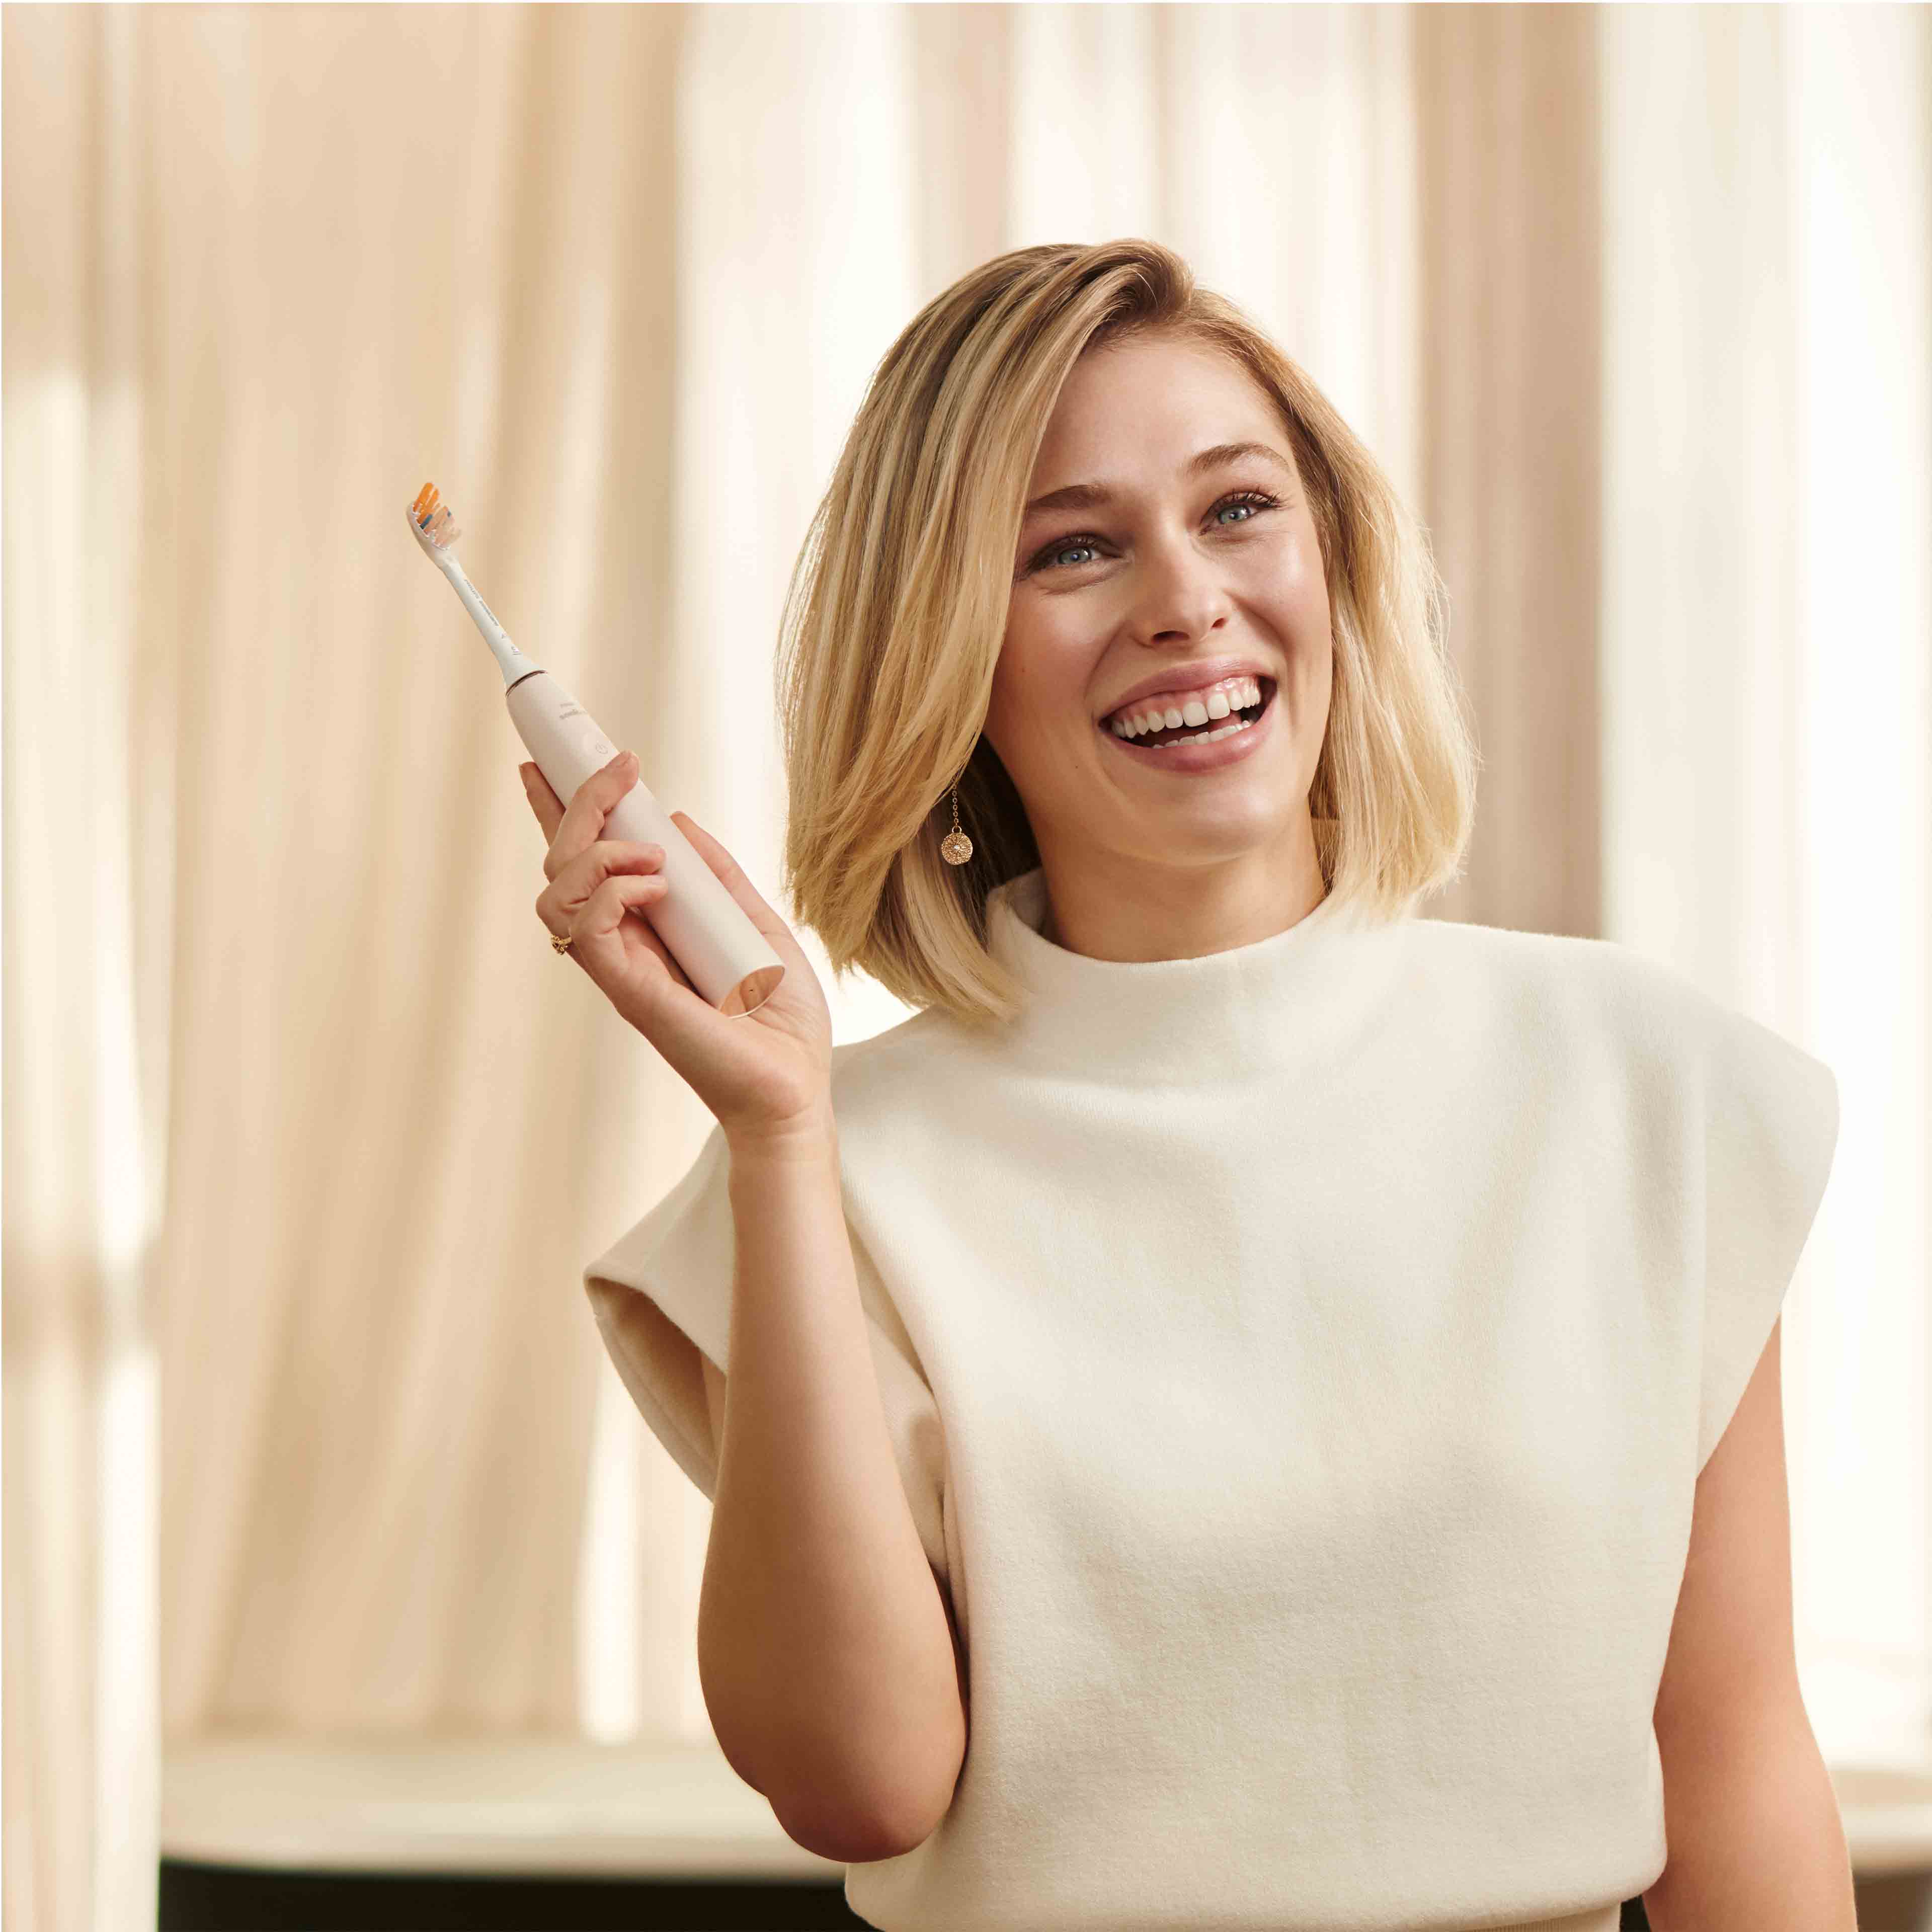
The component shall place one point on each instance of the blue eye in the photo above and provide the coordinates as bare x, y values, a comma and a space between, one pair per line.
1253, 501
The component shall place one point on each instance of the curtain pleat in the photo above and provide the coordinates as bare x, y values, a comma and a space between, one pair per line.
444, 254
1767, 761
1507, 135
80, 1398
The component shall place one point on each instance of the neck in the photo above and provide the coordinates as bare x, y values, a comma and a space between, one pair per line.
1124, 906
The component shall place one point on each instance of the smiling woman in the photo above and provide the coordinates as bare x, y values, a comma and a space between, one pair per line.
1298, 1326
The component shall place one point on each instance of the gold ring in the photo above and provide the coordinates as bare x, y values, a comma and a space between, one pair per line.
560, 943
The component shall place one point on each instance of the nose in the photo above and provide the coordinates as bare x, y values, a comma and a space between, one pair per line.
1180, 597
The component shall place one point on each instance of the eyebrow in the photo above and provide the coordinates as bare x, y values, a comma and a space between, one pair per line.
1092, 495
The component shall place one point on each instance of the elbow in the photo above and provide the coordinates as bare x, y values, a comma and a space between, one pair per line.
847, 1840
888, 1829
915, 1818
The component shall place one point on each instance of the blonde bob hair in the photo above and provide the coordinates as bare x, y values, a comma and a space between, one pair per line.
896, 613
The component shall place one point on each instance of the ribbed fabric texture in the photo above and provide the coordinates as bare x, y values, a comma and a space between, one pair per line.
1299, 1359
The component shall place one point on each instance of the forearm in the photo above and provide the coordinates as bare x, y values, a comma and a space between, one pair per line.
1756, 1842
823, 1648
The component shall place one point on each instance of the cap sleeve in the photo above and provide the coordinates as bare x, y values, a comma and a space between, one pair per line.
662, 1294
1771, 1128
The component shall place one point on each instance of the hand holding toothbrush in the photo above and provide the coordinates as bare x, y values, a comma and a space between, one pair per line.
765, 1074
721, 954
705, 950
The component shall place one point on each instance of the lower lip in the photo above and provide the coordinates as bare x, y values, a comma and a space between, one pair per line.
1189, 757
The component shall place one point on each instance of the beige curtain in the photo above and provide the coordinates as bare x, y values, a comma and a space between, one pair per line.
306, 1132
86, 976
1766, 738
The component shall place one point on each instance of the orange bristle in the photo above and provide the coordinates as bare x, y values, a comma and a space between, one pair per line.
431, 517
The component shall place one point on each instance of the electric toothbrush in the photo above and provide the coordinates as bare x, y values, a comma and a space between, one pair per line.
725, 957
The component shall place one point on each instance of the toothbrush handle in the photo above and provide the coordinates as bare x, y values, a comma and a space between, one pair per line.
724, 955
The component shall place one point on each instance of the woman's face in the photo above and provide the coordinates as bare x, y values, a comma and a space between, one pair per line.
1174, 569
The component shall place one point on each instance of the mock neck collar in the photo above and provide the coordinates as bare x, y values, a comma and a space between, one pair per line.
1284, 1004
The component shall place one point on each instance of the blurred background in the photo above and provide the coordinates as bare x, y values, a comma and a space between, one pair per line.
330, 1540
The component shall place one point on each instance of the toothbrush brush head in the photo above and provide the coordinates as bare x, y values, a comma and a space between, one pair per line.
429, 518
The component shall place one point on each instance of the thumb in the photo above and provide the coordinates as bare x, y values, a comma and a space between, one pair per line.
738, 883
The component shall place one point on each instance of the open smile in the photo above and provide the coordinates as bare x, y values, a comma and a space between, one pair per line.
1197, 752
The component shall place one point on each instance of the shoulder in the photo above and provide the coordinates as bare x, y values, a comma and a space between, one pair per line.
1554, 968
1596, 1003
883, 1070
1590, 994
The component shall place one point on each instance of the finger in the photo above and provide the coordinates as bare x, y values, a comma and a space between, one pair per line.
601, 946
649, 934
589, 805
649, 862
597, 923
654, 995
574, 883
738, 883
544, 802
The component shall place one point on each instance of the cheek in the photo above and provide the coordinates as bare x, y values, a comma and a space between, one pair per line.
1012, 711
1306, 587
1295, 606
1040, 679
1002, 702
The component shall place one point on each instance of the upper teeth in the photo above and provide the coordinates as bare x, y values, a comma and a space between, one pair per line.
1193, 707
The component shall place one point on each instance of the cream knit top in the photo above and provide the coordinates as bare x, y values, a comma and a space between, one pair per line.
1299, 1359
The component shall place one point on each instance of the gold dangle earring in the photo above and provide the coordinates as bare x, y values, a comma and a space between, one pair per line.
955, 848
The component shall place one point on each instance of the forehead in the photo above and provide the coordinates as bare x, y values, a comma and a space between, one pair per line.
1148, 397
